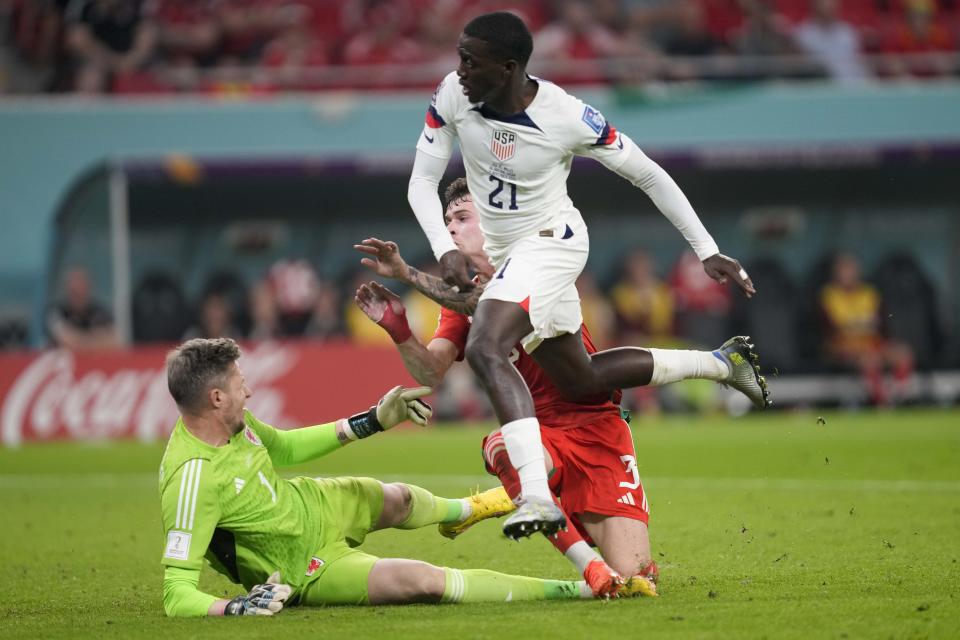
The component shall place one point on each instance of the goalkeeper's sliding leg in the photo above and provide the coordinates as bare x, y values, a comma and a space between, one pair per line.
354, 577
357, 578
393, 581
407, 506
397, 581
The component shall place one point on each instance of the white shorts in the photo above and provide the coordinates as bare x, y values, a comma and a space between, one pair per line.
541, 272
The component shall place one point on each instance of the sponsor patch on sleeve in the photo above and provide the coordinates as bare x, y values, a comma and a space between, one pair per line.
178, 545
593, 118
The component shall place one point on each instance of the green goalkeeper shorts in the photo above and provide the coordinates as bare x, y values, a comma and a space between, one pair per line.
349, 510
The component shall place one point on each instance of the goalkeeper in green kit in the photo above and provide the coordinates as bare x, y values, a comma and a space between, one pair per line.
294, 541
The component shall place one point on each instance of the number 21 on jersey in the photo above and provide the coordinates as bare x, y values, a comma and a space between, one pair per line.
496, 199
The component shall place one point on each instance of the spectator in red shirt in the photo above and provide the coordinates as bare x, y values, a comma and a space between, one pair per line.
291, 54
702, 305
295, 286
248, 25
572, 43
189, 32
918, 32
31, 32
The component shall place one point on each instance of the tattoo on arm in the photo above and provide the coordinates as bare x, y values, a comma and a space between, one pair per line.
444, 294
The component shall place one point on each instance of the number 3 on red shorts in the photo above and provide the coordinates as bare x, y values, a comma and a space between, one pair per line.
631, 463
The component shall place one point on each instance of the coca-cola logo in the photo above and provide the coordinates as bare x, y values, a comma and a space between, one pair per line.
114, 398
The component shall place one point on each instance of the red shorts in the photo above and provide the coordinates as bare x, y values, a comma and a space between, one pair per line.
595, 469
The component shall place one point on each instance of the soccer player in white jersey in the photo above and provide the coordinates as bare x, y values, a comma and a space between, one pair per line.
518, 136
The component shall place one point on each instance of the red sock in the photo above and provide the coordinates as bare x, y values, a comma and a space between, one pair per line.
902, 370
563, 540
652, 571
498, 461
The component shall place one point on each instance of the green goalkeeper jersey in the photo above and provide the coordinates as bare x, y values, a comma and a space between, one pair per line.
228, 504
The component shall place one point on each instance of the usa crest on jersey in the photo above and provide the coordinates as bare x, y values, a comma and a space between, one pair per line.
504, 144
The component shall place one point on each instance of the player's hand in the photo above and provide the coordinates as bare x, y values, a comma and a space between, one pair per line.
263, 600
401, 404
722, 269
453, 266
385, 308
384, 258
376, 300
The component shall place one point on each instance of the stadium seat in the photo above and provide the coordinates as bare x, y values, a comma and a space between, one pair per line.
910, 307
159, 308
810, 322
771, 317
232, 287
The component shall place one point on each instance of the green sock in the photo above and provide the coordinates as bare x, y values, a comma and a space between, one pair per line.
480, 585
426, 509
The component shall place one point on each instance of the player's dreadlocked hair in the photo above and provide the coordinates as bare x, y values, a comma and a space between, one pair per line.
456, 190
506, 34
196, 366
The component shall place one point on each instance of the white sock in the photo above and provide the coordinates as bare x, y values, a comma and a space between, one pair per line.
522, 440
673, 365
585, 591
466, 509
581, 554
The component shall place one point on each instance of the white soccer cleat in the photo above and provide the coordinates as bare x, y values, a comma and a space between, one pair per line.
744, 367
534, 514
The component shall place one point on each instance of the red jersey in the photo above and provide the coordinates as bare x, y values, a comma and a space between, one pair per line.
552, 409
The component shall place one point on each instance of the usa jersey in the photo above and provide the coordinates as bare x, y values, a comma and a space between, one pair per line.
517, 165
552, 409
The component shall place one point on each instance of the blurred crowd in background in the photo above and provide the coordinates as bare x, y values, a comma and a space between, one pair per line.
262, 46
849, 329
834, 318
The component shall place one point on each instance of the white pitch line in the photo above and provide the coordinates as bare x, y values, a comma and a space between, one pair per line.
660, 483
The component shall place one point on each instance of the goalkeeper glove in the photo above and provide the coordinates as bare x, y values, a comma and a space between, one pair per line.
397, 405
263, 600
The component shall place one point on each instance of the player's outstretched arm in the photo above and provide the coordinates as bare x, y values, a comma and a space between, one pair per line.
723, 268
383, 258
396, 406
425, 202
181, 598
428, 364
646, 174
296, 446
263, 600
454, 298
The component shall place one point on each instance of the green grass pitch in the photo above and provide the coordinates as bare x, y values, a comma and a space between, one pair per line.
771, 525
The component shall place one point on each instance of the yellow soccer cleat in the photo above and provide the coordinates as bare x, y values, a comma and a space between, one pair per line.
491, 503
638, 586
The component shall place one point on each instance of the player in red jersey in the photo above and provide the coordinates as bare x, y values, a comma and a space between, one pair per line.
588, 446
